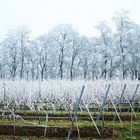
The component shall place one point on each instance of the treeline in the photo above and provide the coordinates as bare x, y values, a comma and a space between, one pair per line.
63, 53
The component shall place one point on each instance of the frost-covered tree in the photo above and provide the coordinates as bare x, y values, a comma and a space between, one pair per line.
105, 44
63, 53
10, 52
123, 26
23, 40
61, 37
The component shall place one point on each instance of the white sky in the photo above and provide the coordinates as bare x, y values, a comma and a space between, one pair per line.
42, 15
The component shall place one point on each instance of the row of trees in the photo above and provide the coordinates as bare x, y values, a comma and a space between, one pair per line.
64, 54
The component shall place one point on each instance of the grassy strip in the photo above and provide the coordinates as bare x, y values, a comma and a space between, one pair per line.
68, 123
63, 113
120, 131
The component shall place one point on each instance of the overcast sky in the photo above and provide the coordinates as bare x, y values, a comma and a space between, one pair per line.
42, 15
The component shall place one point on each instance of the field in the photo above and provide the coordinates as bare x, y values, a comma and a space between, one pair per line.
78, 109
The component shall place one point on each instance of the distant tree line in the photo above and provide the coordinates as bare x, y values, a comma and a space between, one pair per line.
63, 53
